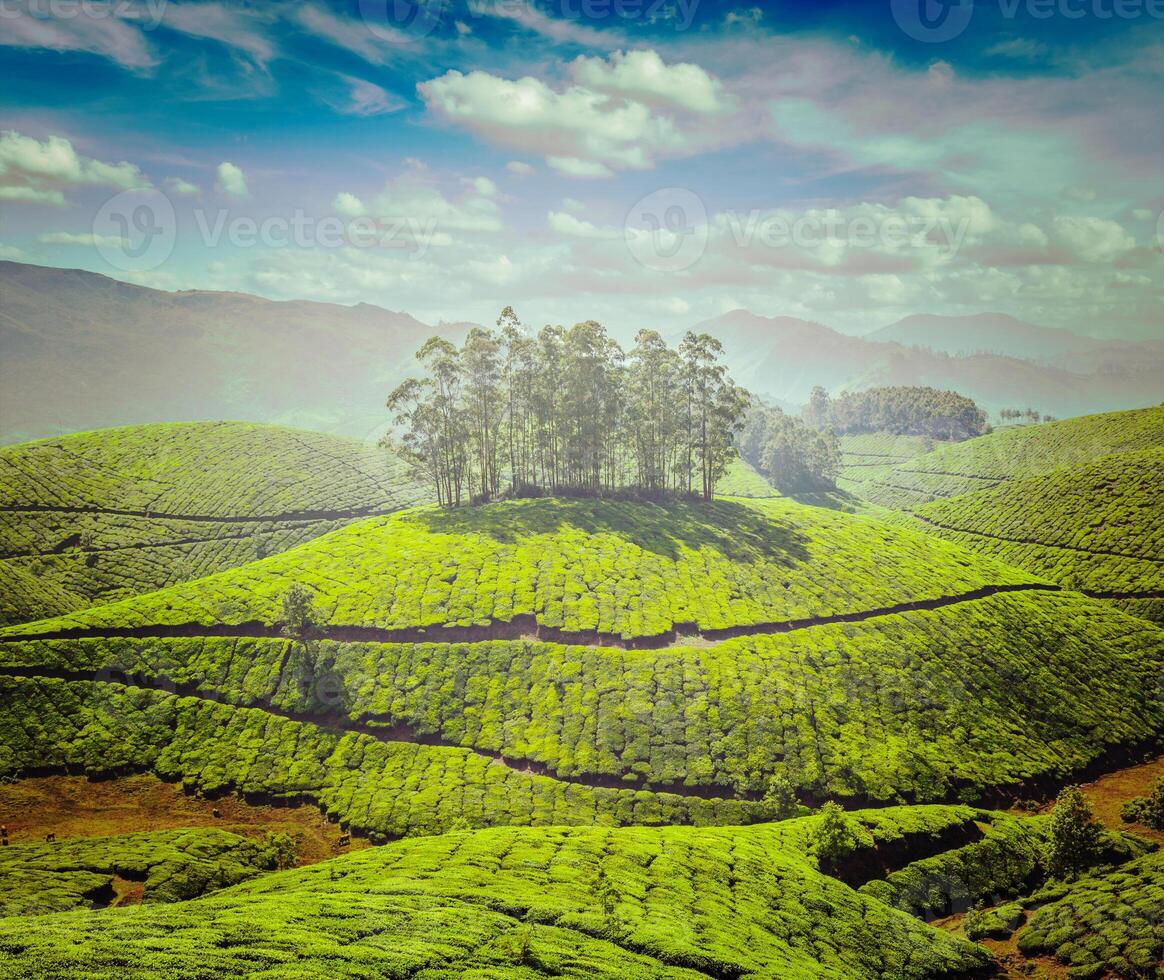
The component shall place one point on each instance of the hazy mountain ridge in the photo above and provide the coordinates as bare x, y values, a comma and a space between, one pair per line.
79, 350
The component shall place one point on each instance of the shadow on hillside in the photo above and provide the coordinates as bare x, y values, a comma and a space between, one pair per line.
840, 500
739, 532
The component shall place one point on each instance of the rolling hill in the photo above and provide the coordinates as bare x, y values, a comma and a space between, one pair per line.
96, 516
1075, 501
681, 903
83, 351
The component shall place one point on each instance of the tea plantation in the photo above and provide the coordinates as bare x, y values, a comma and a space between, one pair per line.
995, 692
171, 865
601, 570
512, 903
1096, 528
1016, 452
94, 517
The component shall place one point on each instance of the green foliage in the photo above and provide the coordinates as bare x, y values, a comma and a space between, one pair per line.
118, 512
631, 569
928, 704
514, 904
1087, 527
173, 865
1073, 835
904, 411
780, 802
1148, 810
788, 453
836, 836
1006, 861
1017, 452
1106, 924
299, 613
994, 923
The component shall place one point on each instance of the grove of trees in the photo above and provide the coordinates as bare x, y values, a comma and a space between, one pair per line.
901, 410
789, 453
567, 412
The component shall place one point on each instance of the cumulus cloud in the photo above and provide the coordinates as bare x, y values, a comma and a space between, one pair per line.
644, 76
572, 227
624, 113
40, 171
1091, 239
183, 188
348, 205
231, 180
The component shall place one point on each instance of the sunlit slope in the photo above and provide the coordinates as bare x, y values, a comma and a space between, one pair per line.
1009, 692
597, 570
870, 456
1016, 453
1097, 528
683, 903
41, 877
96, 516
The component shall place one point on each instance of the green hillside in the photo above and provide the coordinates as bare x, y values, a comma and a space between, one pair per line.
870, 456
629, 903
623, 571
1016, 452
96, 516
39, 878
1097, 528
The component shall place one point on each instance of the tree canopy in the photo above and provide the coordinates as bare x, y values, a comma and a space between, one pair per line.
567, 412
901, 410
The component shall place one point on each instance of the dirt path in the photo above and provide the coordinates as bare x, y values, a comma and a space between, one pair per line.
527, 627
73, 806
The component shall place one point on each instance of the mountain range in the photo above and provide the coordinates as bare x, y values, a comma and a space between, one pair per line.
79, 350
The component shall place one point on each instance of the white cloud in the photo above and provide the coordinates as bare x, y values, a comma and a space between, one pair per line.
519, 167
1091, 239
559, 29
39, 171
643, 75
110, 37
240, 28
344, 32
572, 227
11, 252
583, 130
369, 99
87, 238
348, 205
231, 180
183, 188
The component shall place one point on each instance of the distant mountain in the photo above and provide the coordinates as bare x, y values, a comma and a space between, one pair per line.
80, 350
782, 358
984, 333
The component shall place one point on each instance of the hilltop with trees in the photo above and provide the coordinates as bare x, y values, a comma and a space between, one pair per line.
911, 411
568, 412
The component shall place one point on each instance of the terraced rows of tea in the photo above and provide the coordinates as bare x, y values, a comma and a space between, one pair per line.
94, 517
512, 903
1015, 452
869, 457
596, 571
569, 724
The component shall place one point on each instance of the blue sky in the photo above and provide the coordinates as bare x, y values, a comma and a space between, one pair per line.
638, 162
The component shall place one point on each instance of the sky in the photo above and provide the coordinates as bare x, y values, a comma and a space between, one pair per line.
645, 163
